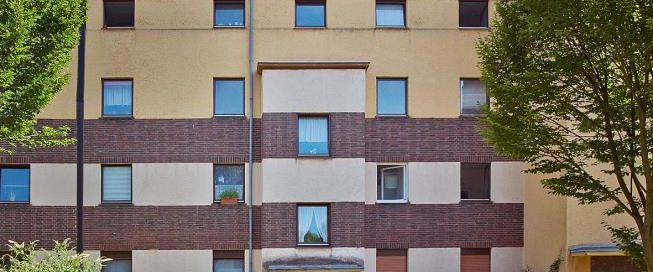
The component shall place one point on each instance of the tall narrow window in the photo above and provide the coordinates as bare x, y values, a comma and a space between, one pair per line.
229, 96
475, 260
228, 261
310, 13
473, 13
229, 178
117, 97
229, 13
475, 181
118, 13
391, 96
313, 136
121, 261
312, 225
390, 13
116, 183
391, 183
14, 184
472, 96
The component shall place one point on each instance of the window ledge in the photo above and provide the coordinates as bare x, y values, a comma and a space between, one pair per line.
473, 28
220, 202
314, 156
229, 27
228, 115
118, 28
392, 116
401, 201
117, 204
17, 203
313, 245
311, 27
117, 117
488, 201
392, 27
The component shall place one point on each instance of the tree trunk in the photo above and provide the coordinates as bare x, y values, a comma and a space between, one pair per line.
647, 244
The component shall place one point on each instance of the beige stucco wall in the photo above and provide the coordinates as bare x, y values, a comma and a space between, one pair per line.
164, 184
434, 259
313, 180
370, 260
172, 260
434, 182
313, 90
506, 259
507, 182
55, 184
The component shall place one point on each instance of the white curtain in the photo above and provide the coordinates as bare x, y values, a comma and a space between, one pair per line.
320, 214
117, 93
473, 95
390, 15
304, 220
309, 214
228, 265
116, 182
313, 129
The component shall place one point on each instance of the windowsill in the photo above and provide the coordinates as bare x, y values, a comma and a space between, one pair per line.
300, 156
392, 115
117, 117
118, 27
473, 28
310, 27
219, 202
21, 203
228, 115
117, 203
476, 201
400, 201
392, 27
229, 27
312, 245
471, 115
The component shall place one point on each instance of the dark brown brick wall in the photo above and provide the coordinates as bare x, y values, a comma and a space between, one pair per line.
219, 140
465, 225
612, 264
25, 223
346, 135
426, 139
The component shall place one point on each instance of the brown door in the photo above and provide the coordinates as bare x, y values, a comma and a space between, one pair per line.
475, 260
391, 260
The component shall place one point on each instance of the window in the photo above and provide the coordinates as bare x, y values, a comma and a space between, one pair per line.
391, 183
473, 13
229, 177
474, 260
391, 96
475, 181
472, 96
229, 95
391, 260
229, 13
14, 184
310, 13
313, 136
312, 225
117, 97
121, 261
116, 183
390, 13
118, 13
228, 261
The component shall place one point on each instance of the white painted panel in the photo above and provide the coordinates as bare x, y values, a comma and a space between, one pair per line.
172, 260
313, 180
507, 182
52, 184
434, 182
167, 184
434, 259
506, 259
370, 182
329, 90
370, 260
92, 184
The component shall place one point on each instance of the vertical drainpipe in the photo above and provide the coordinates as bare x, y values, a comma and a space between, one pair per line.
250, 146
79, 115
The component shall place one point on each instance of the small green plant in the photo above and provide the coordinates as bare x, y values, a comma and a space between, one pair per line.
555, 266
26, 258
229, 193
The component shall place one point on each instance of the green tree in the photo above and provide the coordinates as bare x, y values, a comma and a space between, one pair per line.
26, 258
36, 40
572, 89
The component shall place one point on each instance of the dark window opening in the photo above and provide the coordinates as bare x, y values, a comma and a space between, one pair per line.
118, 13
475, 181
121, 261
473, 13
229, 178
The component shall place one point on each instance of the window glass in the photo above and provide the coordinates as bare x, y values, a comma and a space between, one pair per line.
116, 183
117, 97
117, 266
14, 184
310, 14
229, 177
390, 183
472, 95
312, 225
228, 265
475, 181
390, 14
391, 96
473, 13
313, 136
229, 13
229, 97
118, 13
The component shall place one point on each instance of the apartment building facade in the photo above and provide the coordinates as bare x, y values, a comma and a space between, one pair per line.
365, 154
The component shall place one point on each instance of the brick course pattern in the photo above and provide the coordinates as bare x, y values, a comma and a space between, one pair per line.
25, 223
426, 140
612, 264
346, 135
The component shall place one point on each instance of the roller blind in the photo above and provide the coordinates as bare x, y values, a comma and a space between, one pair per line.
391, 260
116, 183
475, 260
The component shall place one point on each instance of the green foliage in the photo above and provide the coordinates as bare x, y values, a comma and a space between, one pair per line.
229, 193
572, 90
555, 266
627, 240
313, 238
26, 258
36, 41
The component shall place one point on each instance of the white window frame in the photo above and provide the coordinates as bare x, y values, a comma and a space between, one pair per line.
405, 182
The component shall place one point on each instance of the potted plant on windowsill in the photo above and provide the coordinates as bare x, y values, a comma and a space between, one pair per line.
229, 197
